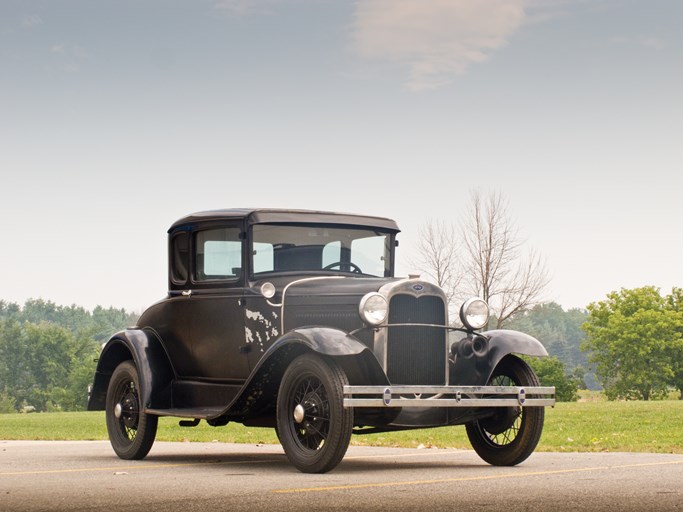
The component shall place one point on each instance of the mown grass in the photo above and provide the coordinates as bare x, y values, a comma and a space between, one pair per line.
590, 426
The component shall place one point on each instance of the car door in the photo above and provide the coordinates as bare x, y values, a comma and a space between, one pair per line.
208, 317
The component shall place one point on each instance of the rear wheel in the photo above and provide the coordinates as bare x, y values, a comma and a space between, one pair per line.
512, 433
131, 431
312, 423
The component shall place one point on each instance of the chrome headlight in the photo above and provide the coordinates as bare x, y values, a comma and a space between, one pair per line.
373, 308
474, 313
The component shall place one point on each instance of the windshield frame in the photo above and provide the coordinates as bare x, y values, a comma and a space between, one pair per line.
254, 237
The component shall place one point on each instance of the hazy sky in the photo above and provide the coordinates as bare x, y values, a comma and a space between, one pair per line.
117, 118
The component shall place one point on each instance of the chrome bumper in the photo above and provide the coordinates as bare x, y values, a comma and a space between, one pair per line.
448, 396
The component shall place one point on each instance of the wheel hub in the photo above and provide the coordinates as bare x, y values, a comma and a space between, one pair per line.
127, 410
503, 420
299, 413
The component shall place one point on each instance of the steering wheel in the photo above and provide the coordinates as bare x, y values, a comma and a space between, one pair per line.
354, 268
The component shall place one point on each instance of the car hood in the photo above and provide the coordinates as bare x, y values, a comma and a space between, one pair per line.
326, 286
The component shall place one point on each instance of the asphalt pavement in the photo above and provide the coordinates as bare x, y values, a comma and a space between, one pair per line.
87, 476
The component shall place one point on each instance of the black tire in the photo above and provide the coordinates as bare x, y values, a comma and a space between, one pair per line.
312, 423
131, 431
512, 433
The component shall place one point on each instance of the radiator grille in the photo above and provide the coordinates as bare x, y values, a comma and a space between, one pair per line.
416, 355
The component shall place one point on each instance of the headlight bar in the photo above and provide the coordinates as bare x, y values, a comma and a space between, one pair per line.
449, 396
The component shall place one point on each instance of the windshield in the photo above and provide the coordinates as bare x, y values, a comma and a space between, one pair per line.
283, 248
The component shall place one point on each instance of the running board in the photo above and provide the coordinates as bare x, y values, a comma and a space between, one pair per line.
201, 413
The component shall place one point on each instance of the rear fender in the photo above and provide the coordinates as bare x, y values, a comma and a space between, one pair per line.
474, 368
155, 373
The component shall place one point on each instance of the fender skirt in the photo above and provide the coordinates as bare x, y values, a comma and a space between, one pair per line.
476, 355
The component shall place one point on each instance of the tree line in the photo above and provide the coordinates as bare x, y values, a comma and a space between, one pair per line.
629, 344
48, 352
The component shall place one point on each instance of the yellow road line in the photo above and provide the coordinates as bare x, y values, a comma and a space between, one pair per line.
124, 468
469, 478
431, 453
185, 464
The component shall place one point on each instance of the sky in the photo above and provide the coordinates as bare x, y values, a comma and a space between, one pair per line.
118, 118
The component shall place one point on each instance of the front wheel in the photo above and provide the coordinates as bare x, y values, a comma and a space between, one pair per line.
131, 431
512, 433
312, 423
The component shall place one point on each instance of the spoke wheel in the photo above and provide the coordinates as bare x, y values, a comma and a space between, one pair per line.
511, 434
312, 424
131, 431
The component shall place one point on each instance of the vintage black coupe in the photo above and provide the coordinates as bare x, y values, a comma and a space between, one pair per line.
294, 320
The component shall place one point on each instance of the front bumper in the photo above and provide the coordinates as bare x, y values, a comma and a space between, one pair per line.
449, 396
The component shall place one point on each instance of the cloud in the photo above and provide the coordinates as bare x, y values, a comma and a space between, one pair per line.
654, 43
247, 7
258, 7
68, 57
436, 40
31, 20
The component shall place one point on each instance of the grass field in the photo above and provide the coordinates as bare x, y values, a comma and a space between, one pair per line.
579, 426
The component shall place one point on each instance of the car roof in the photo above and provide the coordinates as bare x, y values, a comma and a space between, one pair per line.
284, 216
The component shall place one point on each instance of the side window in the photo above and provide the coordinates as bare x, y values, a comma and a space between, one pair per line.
218, 254
180, 257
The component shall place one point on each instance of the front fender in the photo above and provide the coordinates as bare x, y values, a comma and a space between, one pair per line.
324, 340
356, 359
155, 372
475, 368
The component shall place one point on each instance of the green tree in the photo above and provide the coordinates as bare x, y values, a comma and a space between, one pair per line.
7, 403
49, 351
551, 372
81, 371
561, 334
631, 337
8, 310
12, 360
675, 303
110, 320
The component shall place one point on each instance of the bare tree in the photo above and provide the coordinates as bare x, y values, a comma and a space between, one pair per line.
483, 258
438, 256
494, 267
